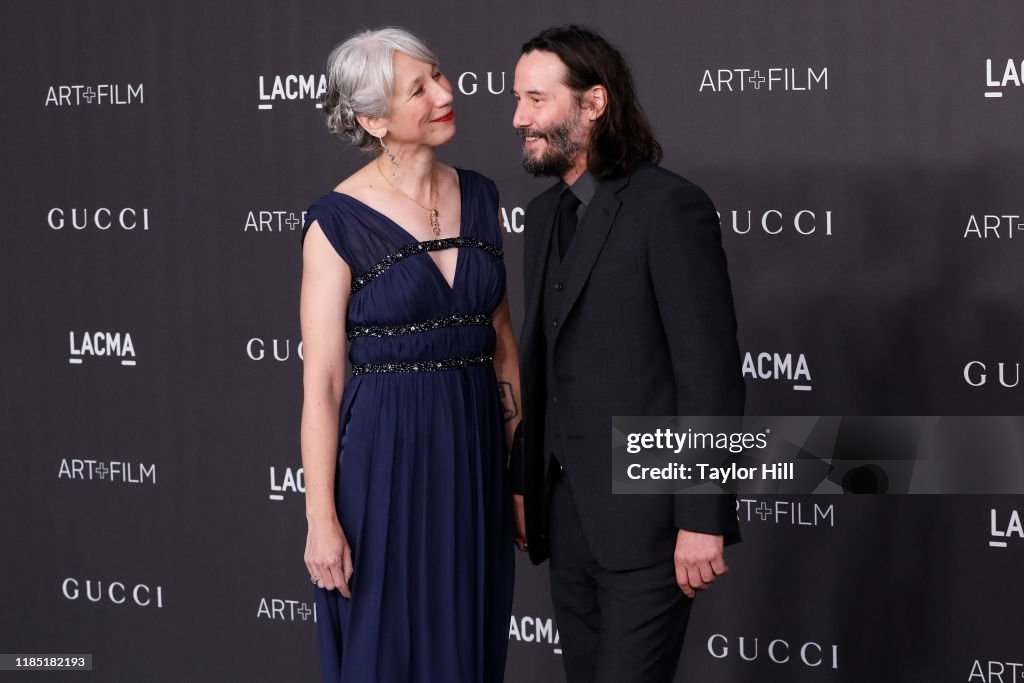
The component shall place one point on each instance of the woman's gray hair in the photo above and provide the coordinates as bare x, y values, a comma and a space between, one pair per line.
361, 80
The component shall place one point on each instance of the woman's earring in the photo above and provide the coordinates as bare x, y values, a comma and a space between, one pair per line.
394, 161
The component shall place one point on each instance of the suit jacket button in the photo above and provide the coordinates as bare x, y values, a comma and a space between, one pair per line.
559, 286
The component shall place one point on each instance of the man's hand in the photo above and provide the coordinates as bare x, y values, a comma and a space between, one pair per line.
517, 501
698, 559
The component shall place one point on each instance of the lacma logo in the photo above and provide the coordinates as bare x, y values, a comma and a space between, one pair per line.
999, 76
288, 481
513, 220
1004, 530
776, 366
310, 87
535, 630
101, 345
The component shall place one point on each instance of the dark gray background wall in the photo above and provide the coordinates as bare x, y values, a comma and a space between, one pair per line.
165, 472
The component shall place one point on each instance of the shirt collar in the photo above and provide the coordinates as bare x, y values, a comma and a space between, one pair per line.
584, 188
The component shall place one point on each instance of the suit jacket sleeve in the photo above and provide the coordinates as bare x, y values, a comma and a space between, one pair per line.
694, 296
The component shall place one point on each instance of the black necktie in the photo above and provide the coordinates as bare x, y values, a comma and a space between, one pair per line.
567, 205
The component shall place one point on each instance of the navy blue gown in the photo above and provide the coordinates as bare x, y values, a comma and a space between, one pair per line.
420, 485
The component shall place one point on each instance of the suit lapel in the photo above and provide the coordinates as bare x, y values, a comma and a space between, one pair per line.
590, 237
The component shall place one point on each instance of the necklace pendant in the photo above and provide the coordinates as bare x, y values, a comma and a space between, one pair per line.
435, 224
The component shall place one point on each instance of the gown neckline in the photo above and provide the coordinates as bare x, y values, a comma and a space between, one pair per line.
412, 238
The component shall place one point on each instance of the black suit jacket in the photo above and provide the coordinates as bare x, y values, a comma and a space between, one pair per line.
648, 329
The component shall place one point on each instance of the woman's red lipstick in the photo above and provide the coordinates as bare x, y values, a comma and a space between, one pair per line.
444, 119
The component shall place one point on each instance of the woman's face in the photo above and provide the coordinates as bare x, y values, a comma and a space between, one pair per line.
421, 105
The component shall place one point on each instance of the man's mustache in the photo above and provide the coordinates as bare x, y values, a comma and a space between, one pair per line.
531, 133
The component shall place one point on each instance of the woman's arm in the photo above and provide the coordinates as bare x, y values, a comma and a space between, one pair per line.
506, 368
326, 280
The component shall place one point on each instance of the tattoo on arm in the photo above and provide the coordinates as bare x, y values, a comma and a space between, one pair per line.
508, 400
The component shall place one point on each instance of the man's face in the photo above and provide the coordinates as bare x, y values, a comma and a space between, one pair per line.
548, 116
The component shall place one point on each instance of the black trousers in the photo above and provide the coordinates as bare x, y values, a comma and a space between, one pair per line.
614, 627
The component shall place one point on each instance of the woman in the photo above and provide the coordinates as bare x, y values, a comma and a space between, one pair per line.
409, 523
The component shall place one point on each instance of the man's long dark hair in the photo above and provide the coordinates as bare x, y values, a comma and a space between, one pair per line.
622, 136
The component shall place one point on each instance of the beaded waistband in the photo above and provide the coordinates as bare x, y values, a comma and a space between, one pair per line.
422, 365
458, 320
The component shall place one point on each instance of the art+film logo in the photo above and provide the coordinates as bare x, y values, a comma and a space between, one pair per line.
789, 513
112, 592
777, 367
809, 654
1000, 74
536, 631
774, 222
309, 88
101, 94
112, 471
764, 80
281, 609
995, 671
94, 345
987, 226
274, 221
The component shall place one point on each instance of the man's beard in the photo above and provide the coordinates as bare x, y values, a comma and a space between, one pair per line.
564, 143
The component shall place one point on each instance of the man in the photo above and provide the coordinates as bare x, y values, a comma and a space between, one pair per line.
628, 312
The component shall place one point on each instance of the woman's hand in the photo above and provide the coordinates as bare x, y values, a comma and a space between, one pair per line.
329, 556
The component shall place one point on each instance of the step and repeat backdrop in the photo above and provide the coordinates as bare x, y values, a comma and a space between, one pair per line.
866, 159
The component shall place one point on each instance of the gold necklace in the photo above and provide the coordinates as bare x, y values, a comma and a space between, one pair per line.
435, 223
